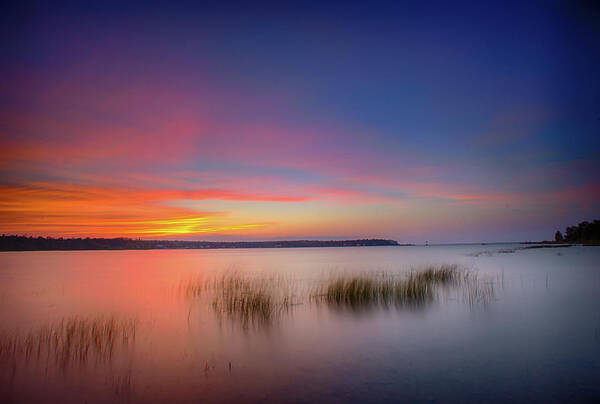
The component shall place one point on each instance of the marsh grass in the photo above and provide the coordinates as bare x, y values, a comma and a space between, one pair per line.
262, 300
242, 298
414, 289
73, 340
251, 301
443, 274
193, 288
365, 291
476, 292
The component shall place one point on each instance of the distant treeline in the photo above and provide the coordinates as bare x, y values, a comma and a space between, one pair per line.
23, 243
584, 232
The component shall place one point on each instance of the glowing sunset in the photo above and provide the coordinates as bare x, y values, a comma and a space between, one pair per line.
227, 149
124, 122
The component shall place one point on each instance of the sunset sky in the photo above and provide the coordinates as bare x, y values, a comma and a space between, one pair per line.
447, 122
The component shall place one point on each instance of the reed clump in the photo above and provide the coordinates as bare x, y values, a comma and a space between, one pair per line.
70, 340
251, 301
442, 274
384, 289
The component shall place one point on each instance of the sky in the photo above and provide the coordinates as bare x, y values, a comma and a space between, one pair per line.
415, 121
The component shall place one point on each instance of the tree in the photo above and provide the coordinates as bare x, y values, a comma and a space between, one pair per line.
584, 232
558, 236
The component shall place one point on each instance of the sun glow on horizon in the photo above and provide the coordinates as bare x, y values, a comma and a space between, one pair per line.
70, 211
194, 226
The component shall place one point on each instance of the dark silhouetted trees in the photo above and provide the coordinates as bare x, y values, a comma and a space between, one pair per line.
558, 237
584, 232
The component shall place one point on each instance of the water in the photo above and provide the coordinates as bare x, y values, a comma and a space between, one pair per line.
531, 333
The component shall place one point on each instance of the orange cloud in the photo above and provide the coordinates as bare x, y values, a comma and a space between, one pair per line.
70, 210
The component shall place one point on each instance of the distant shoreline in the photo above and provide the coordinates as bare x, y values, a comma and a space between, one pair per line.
23, 243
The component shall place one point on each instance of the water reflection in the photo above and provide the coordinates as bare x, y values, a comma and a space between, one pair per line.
122, 385
355, 325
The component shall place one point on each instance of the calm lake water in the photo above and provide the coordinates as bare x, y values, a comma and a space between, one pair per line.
148, 326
